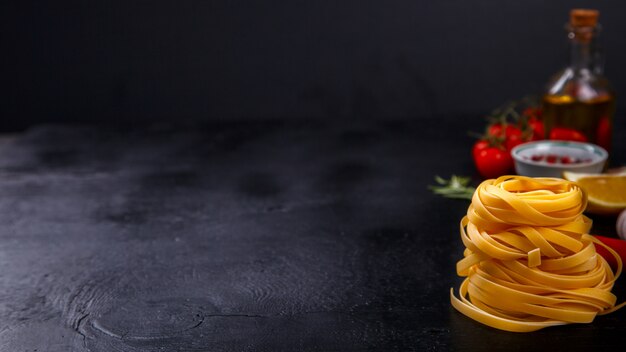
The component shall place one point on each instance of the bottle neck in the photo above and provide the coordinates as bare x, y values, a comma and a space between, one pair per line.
581, 55
584, 53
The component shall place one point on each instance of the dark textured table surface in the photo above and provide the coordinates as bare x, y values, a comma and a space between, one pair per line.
300, 236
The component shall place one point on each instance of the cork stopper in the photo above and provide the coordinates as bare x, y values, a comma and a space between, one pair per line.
583, 18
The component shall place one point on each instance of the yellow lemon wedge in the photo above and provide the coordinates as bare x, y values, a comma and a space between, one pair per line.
606, 192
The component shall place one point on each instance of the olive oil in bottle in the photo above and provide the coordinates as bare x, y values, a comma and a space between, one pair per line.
579, 102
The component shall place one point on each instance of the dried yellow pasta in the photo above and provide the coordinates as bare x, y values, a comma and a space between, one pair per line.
529, 261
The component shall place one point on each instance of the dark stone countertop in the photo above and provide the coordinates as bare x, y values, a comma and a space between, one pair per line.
275, 236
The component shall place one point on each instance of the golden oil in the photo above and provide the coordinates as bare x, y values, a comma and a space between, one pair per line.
592, 118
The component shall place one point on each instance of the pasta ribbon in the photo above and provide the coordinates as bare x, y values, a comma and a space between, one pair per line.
529, 261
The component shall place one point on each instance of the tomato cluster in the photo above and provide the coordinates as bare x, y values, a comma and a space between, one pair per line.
492, 152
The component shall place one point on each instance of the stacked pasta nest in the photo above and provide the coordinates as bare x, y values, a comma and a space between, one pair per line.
529, 261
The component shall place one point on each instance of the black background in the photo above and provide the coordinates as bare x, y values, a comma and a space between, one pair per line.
303, 234
143, 61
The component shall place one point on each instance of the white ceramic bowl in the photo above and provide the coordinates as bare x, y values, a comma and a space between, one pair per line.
551, 158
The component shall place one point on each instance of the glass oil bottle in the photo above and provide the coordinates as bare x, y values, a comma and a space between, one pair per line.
579, 102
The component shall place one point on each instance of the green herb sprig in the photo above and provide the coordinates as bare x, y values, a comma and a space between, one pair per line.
457, 187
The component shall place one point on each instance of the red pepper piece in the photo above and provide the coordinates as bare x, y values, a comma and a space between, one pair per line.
616, 244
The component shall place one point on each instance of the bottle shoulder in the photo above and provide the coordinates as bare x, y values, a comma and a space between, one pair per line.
579, 84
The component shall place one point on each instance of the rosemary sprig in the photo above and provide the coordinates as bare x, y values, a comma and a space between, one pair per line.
457, 187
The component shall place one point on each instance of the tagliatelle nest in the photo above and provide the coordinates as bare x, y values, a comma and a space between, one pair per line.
529, 261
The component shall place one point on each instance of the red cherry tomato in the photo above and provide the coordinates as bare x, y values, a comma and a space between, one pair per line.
491, 161
603, 133
567, 134
537, 127
533, 113
478, 146
495, 130
511, 135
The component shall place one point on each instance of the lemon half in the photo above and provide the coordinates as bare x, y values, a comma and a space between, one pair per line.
606, 192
